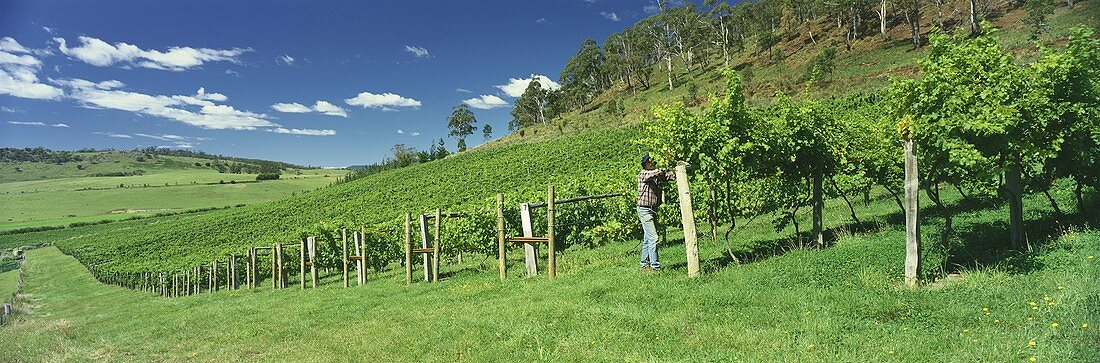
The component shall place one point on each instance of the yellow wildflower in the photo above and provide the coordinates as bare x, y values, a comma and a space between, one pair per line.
1030, 318
1054, 325
1031, 343
996, 321
811, 346
966, 330
1084, 326
1032, 359
1060, 287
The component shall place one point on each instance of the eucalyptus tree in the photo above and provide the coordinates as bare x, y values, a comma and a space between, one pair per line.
461, 124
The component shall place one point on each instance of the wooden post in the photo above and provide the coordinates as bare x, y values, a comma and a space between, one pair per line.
214, 275
424, 244
530, 251
912, 204
248, 266
186, 283
552, 262
502, 253
438, 240
281, 264
255, 268
688, 218
408, 249
236, 274
360, 266
312, 260
344, 236
302, 269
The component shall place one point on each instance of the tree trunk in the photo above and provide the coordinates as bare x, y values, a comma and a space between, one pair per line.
912, 226
975, 24
882, 20
819, 205
1014, 193
668, 62
846, 201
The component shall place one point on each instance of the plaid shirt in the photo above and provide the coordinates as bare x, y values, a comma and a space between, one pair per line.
649, 186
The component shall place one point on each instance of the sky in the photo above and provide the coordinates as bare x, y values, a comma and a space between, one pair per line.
323, 83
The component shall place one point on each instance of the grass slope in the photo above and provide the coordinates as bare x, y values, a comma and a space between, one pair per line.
84, 199
841, 303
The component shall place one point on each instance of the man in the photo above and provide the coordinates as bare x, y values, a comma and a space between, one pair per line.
649, 198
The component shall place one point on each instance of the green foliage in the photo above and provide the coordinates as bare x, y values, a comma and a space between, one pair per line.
462, 123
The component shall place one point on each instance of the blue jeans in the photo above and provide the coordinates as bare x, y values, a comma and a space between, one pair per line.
648, 217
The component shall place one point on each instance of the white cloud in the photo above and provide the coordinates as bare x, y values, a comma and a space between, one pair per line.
285, 60
100, 53
651, 9
48, 29
111, 134
541, 21
19, 73
292, 107
9, 109
463, 90
516, 86
309, 132
414, 133
385, 101
197, 110
485, 102
419, 52
610, 16
36, 123
326, 108
176, 140
216, 97
400, 132
233, 73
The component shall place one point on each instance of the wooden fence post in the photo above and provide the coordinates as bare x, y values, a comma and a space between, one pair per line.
274, 270
408, 249
688, 218
552, 262
912, 204
502, 253
426, 257
302, 269
344, 236
361, 248
438, 241
530, 251
312, 241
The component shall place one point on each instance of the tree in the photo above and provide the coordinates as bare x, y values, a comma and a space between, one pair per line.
461, 123
487, 131
1037, 12
531, 107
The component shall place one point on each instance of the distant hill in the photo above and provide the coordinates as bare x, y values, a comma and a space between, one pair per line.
41, 163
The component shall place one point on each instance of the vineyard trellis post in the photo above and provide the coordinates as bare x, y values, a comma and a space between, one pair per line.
302, 265
424, 244
502, 252
408, 249
688, 219
912, 205
361, 249
311, 243
530, 251
344, 259
438, 241
551, 263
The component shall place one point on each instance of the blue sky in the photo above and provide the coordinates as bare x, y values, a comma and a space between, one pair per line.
317, 83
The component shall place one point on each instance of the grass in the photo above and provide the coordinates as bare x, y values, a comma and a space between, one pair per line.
9, 282
85, 199
840, 303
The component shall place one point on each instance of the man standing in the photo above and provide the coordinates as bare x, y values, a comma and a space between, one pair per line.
649, 198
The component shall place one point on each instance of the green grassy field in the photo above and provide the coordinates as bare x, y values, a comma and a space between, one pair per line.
9, 282
840, 303
84, 199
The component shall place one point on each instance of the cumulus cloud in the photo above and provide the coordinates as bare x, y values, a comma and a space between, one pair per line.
19, 73
385, 102
285, 60
323, 107
292, 107
419, 52
610, 16
516, 86
185, 142
485, 102
308, 132
326, 108
199, 110
36, 123
100, 53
